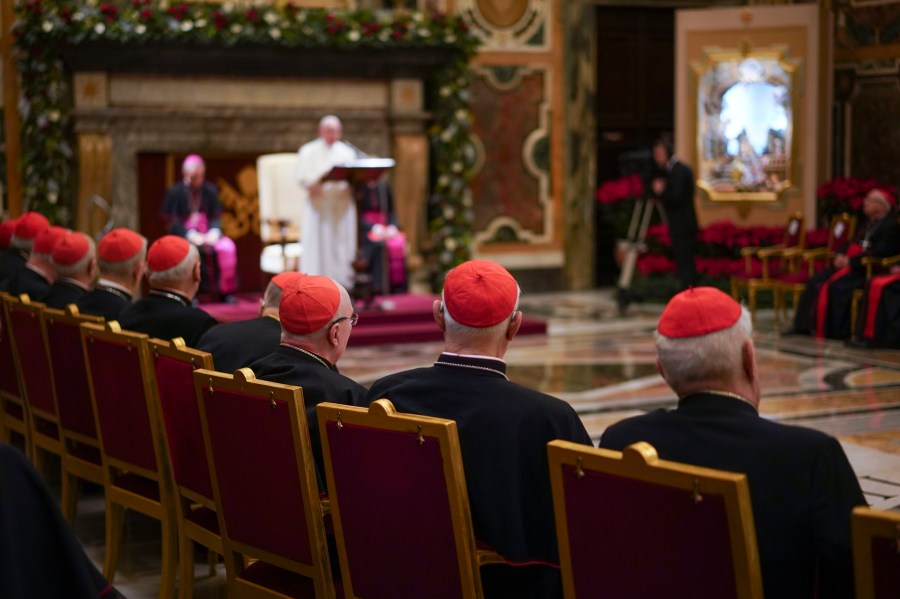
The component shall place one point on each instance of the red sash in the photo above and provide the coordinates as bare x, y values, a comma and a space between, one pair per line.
876, 287
822, 301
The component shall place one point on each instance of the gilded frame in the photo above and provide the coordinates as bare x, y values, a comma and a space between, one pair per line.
776, 172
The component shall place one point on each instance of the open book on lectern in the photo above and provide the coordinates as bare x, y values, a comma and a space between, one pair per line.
360, 170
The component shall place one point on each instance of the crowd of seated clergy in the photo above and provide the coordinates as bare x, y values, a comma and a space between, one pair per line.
801, 483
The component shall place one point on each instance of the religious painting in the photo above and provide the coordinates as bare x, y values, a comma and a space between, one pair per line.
745, 127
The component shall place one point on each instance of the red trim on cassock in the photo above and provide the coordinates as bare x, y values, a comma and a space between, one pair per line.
876, 287
822, 301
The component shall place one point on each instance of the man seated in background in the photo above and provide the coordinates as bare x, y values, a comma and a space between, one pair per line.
192, 210
802, 488
878, 317
503, 427
122, 261
173, 270
238, 344
75, 261
316, 321
12, 259
824, 307
39, 274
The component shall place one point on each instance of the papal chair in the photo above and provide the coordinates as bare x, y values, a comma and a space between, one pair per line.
264, 484
134, 464
762, 265
637, 526
13, 413
281, 208
172, 385
876, 553
29, 350
399, 504
802, 266
81, 459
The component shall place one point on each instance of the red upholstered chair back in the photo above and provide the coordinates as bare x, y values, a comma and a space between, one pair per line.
30, 356
115, 363
67, 367
9, 380
794, 232
405, 470
876, 553
173, 387
841, 230
263, 476
637, 526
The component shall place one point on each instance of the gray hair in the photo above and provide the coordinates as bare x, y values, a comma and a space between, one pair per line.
713, 357
123, 268
272, 296
21, 243
73, 270
177, 273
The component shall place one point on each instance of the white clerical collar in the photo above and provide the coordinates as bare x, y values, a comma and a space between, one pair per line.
114, 285
475, 356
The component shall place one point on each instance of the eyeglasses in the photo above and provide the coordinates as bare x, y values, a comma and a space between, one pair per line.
353, 318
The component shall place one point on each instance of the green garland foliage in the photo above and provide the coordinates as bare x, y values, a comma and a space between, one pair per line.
44, 27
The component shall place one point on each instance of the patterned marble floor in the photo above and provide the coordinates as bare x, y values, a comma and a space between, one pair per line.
604, 365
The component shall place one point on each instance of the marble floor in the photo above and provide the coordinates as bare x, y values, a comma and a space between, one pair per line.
604, 365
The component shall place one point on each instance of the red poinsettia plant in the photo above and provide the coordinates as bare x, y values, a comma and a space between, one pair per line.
845, 194
616, 200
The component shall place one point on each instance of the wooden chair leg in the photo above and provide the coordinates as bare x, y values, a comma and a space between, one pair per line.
69, 495
213, 559
751, 300
186, 565
169, 558
115, 522
777, 301
734, 289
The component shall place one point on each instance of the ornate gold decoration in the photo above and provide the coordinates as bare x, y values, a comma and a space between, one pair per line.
241, 204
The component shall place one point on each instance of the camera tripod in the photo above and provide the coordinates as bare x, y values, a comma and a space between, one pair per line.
637, 234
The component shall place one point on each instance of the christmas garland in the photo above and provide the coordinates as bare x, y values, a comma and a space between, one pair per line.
44, 27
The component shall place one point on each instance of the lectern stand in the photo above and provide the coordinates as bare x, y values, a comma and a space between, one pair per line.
361, 171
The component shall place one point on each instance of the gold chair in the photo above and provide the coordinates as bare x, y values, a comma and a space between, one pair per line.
172, 384
759, 272
425, 500
803, 265
13, 412
871, 263
876, 553
637, 526
77, 427
264, 484
281, 207
30, 358
134, 464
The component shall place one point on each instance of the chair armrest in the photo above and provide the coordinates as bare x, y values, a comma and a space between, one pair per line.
749, 251
489, 556
770, 252
816, 253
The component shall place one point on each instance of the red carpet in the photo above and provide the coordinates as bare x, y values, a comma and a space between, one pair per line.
395, 319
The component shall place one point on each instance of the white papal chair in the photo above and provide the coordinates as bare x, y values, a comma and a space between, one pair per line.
281, 209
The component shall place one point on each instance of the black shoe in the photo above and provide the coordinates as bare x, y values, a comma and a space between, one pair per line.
860, 343
792, 330
229, 298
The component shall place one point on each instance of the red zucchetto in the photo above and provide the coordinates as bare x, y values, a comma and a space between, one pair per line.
166, 252
480, 293
887, 196
47, 239
308, 303
698, 311
30, 224
284, 279
70, 249
119, 245
7, 228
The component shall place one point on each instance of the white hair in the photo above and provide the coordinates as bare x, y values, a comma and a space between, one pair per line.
176, 274
70, 271
714, 357
123, 268
329, 119
20, 243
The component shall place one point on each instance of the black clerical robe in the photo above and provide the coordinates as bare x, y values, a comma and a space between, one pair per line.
503, 429
802, 487
30, 281
62, 293
320, 381
11, 262
104, 300
238, 344
166, 315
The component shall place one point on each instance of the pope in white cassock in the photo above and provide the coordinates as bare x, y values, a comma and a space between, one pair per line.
329, 228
